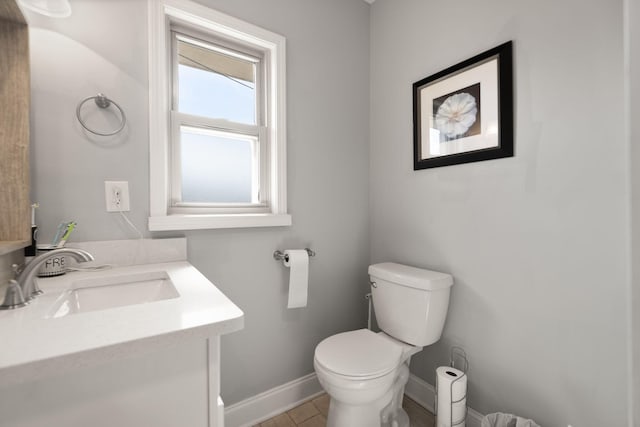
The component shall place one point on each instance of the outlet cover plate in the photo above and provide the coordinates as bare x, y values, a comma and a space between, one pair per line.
114, 191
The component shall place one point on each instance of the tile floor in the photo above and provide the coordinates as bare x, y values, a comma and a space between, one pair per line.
314, 414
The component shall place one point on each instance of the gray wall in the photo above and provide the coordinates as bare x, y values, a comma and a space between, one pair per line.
102, 47
537, 243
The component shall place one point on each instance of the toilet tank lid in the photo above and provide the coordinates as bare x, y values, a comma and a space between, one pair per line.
410, 276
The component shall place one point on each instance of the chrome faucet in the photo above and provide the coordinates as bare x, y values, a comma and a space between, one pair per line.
24, 288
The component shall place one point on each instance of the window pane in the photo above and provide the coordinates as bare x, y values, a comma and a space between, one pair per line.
216, 85
215, 168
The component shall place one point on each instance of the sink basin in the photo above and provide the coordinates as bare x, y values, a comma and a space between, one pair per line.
101, 293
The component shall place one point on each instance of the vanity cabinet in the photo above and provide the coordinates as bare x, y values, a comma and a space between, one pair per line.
14, 129
151, 359
171, 386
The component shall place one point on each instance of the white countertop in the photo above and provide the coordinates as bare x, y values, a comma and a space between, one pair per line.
32, 344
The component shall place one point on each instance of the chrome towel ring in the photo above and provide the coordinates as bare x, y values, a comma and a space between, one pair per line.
103, 102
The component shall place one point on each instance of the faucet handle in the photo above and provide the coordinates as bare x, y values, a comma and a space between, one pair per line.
17, 269
14, 297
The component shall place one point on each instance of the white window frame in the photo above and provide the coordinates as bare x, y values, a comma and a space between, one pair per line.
163, 14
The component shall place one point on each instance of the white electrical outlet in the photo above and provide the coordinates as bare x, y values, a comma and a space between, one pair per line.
117, 196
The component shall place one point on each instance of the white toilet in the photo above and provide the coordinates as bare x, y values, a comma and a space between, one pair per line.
363, 372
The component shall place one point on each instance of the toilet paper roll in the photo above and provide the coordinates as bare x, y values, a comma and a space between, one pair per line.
298, 262
452, 392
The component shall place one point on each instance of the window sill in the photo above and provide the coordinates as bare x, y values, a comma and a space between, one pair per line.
203, 222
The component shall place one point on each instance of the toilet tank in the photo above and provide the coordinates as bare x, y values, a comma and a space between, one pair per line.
410, 303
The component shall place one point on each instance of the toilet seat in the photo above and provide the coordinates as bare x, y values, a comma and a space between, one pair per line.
359, 354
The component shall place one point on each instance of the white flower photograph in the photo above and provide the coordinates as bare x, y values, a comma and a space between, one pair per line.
457, 115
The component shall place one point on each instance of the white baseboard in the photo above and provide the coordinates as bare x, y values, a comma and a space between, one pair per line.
263, 406
425, 394
270, 403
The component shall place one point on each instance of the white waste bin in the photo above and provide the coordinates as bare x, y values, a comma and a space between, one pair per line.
506, 420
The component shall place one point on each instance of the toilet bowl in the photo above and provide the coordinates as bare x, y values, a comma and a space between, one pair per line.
363, 372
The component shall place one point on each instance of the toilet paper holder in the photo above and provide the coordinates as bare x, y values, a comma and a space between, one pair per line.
279, 255
457, 354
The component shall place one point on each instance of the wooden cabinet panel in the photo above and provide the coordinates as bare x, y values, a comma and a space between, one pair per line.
14, 129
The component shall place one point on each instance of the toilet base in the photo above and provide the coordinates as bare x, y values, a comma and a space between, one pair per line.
401, 419
349, 415
386, 411
363, 416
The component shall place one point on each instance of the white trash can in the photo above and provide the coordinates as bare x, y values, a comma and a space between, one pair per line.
506, 420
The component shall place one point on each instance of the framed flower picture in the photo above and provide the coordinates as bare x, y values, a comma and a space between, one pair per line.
465, 113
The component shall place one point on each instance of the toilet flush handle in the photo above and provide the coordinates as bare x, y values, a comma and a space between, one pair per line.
373, 284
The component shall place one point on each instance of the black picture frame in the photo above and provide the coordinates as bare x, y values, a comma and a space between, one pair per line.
464, 113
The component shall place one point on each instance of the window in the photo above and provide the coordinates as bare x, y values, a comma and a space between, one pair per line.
217, 124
